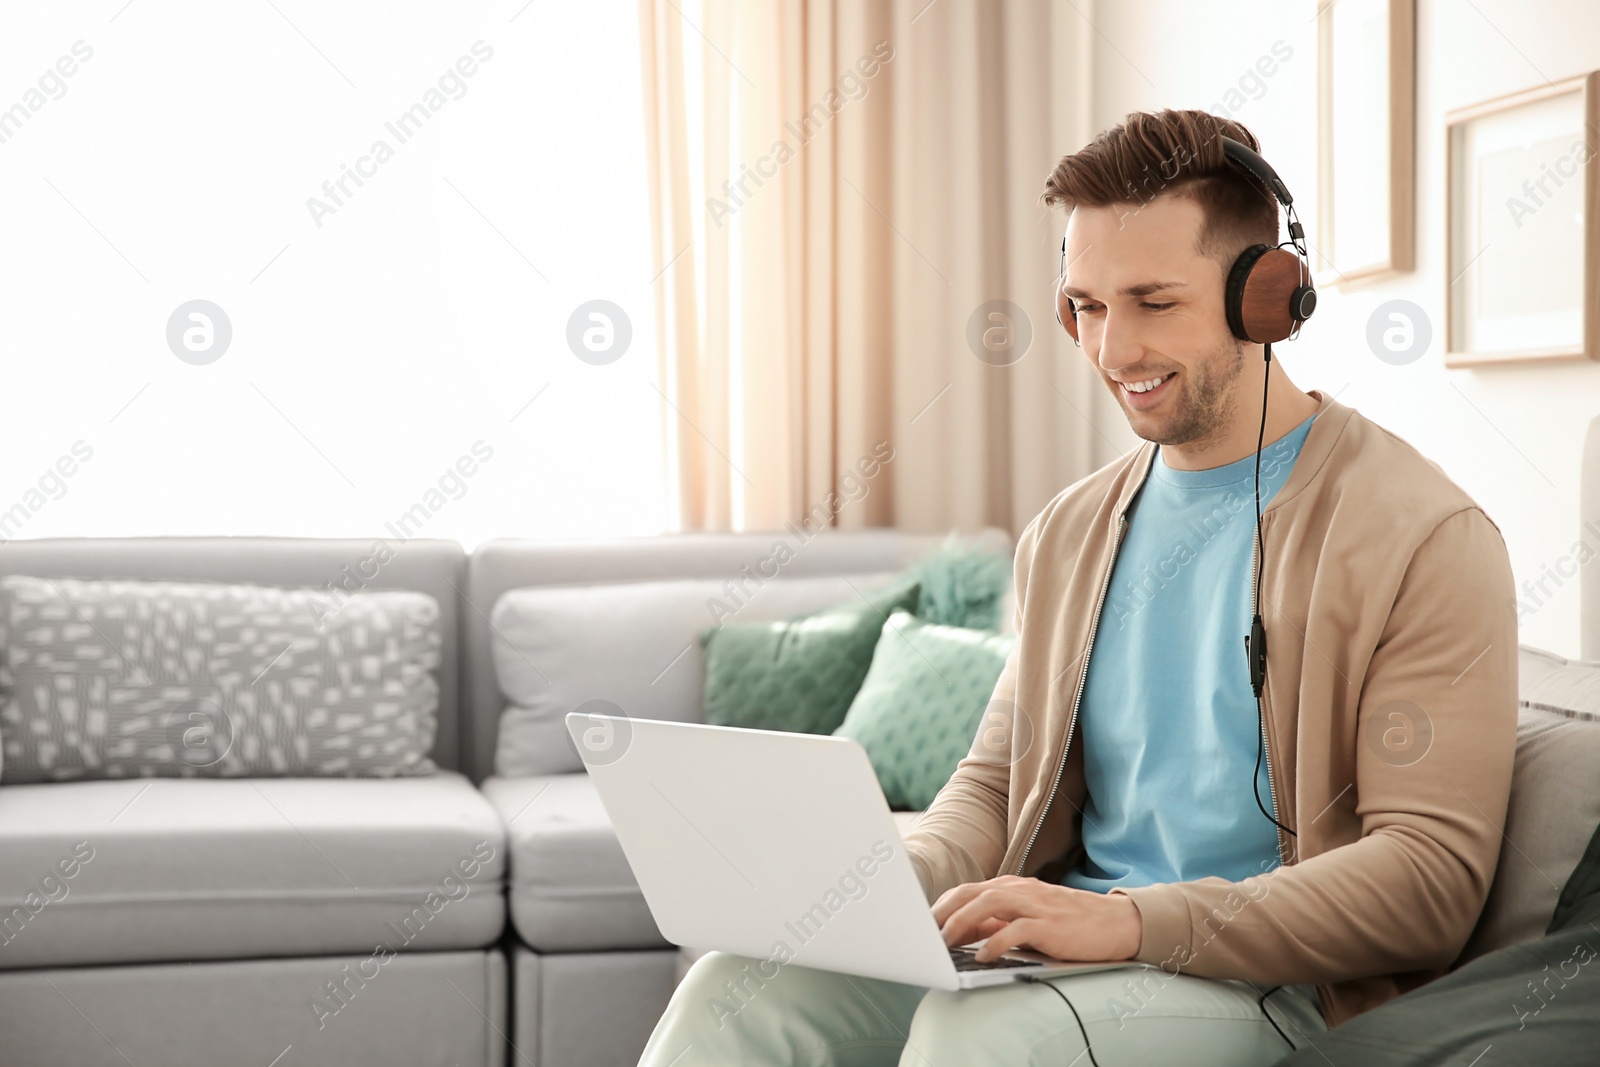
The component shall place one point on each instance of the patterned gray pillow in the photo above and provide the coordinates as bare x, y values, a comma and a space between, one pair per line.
122, 679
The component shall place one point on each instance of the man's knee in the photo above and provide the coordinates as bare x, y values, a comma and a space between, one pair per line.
1003, 1022
732, 973
722, 985
948, 1020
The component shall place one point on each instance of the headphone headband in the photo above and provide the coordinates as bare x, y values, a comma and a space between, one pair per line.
1247, 160
1243, 157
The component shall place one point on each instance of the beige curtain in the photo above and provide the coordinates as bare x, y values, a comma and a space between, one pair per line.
838, 189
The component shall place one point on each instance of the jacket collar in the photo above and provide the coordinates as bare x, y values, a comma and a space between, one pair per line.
1326, 429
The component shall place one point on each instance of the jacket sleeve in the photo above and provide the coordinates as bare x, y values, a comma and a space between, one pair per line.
962, 836
1406, 894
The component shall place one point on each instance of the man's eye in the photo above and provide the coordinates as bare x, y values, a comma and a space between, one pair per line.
1086, 307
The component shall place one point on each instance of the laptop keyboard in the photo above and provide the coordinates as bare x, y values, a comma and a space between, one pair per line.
964, 959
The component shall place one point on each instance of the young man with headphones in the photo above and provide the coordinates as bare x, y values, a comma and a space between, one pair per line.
1257, 730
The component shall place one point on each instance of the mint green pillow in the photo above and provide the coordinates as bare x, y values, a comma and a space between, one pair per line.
920, 706
800, 674
962, 584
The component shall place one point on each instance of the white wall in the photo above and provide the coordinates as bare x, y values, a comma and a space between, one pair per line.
373, 347
1511, 437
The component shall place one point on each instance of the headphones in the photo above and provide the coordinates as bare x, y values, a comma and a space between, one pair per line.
1269, 292
1268, 297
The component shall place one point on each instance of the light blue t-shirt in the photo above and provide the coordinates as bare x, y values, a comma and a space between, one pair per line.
1168, 722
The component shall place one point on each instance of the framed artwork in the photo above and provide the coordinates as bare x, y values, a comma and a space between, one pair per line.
1366, 140
1523, 234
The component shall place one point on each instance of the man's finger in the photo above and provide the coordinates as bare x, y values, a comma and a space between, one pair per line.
1003, 904
1012, 935
956, 896
985, 929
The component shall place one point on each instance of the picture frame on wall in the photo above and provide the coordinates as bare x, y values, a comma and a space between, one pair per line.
1522, 240
1366, 140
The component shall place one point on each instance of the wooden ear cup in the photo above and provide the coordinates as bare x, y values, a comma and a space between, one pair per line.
1265, 295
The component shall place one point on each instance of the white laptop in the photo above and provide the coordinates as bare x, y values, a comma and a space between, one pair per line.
778, 846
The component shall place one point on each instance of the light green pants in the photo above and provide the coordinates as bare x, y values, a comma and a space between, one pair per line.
729, 1010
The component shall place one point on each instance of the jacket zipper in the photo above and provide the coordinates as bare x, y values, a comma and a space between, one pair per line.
1266, 744
1083, 675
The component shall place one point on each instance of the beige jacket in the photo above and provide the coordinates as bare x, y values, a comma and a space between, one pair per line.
1390, 724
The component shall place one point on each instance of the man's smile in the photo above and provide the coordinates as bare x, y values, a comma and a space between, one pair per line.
1146, 393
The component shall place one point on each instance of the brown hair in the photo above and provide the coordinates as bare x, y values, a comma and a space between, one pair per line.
1176, 153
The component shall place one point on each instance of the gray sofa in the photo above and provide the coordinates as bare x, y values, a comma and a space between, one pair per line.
216, 912
235, 920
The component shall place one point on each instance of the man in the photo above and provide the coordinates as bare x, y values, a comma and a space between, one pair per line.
1278, 867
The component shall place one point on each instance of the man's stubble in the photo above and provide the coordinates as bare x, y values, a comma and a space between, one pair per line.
1208, 402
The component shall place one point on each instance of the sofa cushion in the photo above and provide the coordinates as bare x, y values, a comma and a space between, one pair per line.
921, 704
964, 583
569, 883
633, 645
196, 868
1555, 799
1532, 1003
123, 679
1548, 682
355, 1010
797, 675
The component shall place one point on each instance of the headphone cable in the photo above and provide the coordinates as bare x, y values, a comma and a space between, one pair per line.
1086, 1046
1256, 642
1262, 1004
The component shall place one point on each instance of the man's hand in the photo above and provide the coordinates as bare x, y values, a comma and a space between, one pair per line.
1066, 923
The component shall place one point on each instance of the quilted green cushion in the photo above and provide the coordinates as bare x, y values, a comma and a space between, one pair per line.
921, 703
800, 674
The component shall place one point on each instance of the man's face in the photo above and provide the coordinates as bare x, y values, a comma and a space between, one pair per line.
1150, 309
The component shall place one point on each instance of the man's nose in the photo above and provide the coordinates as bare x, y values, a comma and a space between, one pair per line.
1120, 344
